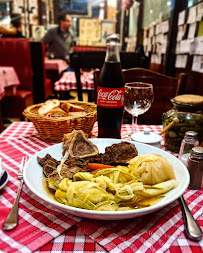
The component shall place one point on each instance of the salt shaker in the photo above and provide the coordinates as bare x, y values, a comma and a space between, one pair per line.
190, 140
195, 168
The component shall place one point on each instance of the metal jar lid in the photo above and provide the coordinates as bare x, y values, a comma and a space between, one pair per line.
197, 152
191, 133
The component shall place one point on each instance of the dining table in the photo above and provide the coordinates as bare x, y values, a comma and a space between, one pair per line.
45, 228
8, 79
68, 82
9, 82
58, 65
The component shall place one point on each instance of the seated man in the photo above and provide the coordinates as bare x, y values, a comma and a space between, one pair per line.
15, 31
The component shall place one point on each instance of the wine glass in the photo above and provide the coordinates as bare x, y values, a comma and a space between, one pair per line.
138, 99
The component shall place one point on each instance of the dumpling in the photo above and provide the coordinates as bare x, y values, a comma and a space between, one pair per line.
152, 168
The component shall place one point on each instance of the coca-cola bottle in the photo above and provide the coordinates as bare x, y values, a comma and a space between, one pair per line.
110, 92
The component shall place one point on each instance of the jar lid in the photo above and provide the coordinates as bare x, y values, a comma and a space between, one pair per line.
197, 150
189, 99
146, 137
191, 133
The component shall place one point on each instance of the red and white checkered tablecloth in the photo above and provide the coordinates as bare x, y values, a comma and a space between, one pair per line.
44, 229
68, 81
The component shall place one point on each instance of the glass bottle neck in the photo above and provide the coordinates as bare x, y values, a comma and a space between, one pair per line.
112, 53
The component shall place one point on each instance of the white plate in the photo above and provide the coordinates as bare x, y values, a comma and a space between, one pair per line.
33, 177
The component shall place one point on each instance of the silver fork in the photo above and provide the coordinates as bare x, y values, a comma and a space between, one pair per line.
12, 218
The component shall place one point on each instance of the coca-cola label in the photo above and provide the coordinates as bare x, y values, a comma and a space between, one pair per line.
110, 97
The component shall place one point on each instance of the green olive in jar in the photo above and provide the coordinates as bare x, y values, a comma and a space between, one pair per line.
190, 119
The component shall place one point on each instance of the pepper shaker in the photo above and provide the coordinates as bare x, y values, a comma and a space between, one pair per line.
195, 168
190, 140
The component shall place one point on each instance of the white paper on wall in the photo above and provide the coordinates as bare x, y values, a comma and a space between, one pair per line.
192, 15
185, 46
163, 48
197, 64
192, 29
181, 18
181, 61
165, 26
199, 12
196, 46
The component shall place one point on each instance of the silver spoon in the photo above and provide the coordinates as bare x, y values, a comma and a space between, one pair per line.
192, 229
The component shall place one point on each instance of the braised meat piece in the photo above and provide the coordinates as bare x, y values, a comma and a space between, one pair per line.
69, 169
42, 161
48, 163
73, 166
77, 145
49, 167
116, 154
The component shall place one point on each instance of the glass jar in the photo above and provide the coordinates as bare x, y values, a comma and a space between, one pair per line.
190, 119
190, 140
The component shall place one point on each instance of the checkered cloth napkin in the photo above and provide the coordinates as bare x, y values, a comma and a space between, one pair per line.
68, 82
43, 228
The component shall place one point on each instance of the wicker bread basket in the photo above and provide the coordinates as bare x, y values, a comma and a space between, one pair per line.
53, 128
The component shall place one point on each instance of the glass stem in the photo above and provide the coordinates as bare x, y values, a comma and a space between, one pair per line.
134, 124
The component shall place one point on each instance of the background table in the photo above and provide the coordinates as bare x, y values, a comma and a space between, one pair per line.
43, 228
8, 78
55, 64
68, 82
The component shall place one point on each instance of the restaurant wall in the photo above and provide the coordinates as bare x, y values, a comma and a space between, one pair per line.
156, 9
174, 44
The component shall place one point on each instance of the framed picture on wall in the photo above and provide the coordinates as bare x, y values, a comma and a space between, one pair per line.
37, 32
74, 7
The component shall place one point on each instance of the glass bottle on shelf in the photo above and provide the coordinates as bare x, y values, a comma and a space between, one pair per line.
190, 140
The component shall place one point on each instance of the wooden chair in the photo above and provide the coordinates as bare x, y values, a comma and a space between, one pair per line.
164, 87
95, 60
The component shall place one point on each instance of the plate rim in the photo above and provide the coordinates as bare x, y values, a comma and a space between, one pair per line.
6, 181
85, 212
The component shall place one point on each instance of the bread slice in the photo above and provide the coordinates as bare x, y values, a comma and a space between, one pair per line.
48, 106
75, 108
65, 106
78, 145
57, 112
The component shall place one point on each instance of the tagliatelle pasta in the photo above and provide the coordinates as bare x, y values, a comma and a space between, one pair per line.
110, 189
